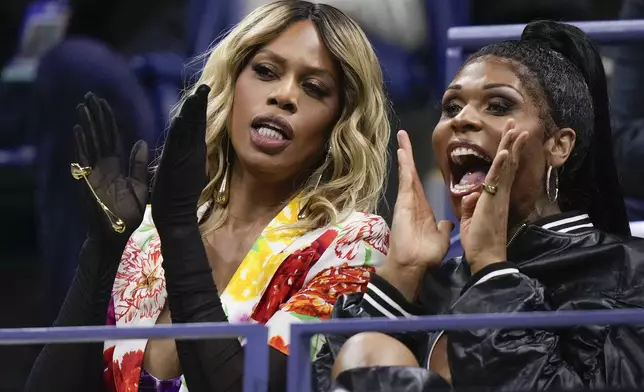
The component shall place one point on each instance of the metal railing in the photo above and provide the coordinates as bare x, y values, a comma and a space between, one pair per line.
299, 363
256, 335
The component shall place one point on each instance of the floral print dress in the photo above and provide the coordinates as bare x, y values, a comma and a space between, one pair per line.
288, 276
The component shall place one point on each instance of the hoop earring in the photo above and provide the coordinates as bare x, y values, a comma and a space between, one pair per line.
223, 194
315, 181
552, 184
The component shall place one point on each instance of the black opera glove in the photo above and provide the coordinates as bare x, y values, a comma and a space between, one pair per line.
181, 174
118, 200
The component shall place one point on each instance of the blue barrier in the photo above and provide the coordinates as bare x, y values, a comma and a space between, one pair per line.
299, 365
464, 40
256, 349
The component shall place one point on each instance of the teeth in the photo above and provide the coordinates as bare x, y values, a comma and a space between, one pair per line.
270, 133
461, 188
459, 152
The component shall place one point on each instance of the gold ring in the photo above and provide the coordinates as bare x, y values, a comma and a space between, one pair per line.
491, 189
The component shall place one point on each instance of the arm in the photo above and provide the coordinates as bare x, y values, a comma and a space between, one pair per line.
193, 297
85, 304
215, 364
87, 301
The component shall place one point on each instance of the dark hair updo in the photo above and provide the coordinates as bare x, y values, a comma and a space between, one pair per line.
564, 74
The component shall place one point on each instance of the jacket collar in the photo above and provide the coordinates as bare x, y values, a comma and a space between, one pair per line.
567, 222
550, 234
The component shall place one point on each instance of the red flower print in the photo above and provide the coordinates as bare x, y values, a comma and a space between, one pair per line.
278, 343
372, 230
108, 371
290, 276
128, 374
139, 287
319, 296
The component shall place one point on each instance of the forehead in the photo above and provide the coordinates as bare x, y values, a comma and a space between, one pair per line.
485, 71
301, 44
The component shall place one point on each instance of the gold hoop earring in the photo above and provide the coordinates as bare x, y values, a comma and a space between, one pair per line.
552, 184
223, 194
315, 181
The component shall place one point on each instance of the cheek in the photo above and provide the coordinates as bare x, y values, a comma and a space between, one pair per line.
440, 137
242, 94
239, 103
531, 168
317, 119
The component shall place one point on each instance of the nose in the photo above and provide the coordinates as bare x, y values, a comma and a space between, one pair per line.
285, 95
467, 120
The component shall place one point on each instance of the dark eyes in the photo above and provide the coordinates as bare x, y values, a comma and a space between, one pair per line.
495, 106
268, 73
500, 107
263, 72
451, 109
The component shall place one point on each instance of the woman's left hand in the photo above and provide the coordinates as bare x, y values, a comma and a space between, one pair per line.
484, 216
181, 174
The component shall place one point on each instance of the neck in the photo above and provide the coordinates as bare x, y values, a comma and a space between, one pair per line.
541, 209
255, 201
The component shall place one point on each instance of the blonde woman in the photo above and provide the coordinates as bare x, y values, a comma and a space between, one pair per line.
288, 130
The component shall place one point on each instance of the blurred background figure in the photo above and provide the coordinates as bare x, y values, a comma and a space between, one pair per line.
628, 112
113, 48
134, 55
104, 43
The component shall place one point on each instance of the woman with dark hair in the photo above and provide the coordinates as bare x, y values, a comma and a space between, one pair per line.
524, 145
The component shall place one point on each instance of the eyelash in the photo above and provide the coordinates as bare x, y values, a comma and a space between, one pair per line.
500, 107
497, 107
265, 73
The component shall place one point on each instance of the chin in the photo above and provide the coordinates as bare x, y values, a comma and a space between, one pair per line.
267, 168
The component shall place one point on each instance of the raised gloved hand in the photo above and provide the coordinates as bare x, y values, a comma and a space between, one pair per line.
107, 188
181, 174
117, 200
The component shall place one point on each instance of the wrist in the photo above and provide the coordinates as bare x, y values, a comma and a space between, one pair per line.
173, 221
406, 279
481, 261
177, 231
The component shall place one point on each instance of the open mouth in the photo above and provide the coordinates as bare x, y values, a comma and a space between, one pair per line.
272, 127
469, 165
270, 132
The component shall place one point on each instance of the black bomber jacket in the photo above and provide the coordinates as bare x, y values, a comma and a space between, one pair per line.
558, 263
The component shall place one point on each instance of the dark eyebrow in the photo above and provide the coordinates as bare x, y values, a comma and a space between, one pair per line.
273, 55
487, 87
501, 85
309, 69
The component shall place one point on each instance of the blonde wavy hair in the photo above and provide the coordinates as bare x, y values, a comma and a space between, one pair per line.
354, 175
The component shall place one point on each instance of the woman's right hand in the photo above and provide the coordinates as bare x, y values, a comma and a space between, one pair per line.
417, 242
98, 146
416, 239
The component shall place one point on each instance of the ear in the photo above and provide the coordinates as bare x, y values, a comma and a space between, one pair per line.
559, 146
